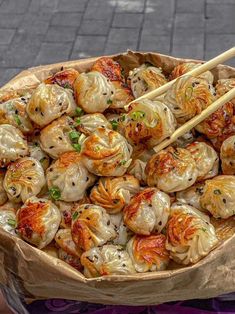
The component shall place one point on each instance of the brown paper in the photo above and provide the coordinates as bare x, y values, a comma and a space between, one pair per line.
34, 274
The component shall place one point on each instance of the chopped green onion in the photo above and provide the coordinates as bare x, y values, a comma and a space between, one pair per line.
109, 101
77, 147
204, 229
137, 115
11, 222
78, 121
217, 192
17, 119
66, 85
122, 162
123, 117
79, 111
97, 148
114, 124
74, 135
75, 214
55, 193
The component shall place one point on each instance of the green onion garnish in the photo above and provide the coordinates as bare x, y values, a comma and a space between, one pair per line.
109, 101
217, 192
11, 222
74, 135
17, 119
78, 121
137, 115
114, 124
122, 162
77, 147
79, 111
55, 193
75, 214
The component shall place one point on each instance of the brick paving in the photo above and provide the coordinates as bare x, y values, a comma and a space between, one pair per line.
34, 32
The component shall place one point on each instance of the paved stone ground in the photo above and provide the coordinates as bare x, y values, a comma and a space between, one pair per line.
34, 32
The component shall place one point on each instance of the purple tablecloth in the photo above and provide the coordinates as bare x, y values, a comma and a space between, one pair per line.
221, 305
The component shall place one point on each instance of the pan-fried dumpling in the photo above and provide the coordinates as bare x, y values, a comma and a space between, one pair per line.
148, 122
63, 239
106, 260
145, 79
219, 196
93, 92
3, 194
56, 138
219, 125
191, 195
227, 155
122, 95
206, 159
114, 193
67, 178
106, 153
183, 68
8, 220
171, 170
123, 233
50, 102
190, 235
148, 253
67, 208
147, 211
225, 85
14, 112
91, 226
24, 178
38, 221
36, 152
88, 123
64, 78
188, 97
12, 144
109, 68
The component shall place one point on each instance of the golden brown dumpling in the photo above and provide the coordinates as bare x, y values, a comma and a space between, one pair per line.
147, 211
183, 68
148, 122
50, 102
36, 152
206, 159
67, 178
64, 78
24, 178
63, 239
227, 155
3, 194
190, 235
38, 221
188, 97
88, 123
171, 170
225, 85
192, 195
56, 138
122, 95
145, 79
14, 112
12, 144
219, 125
148, 253
93, 92
106, 153
109, 68
114, 193
106, 260
219, 196
91, 226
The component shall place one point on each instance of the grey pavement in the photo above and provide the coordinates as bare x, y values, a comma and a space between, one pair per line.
34, 32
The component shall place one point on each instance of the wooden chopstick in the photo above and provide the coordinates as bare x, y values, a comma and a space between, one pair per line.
196, 120
195, 72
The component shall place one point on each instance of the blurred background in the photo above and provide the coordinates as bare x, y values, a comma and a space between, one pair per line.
34, 32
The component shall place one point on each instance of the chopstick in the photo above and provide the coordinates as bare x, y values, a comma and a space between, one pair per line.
195, 72
196, 120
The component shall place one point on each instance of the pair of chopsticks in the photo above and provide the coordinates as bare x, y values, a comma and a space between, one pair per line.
205, 113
